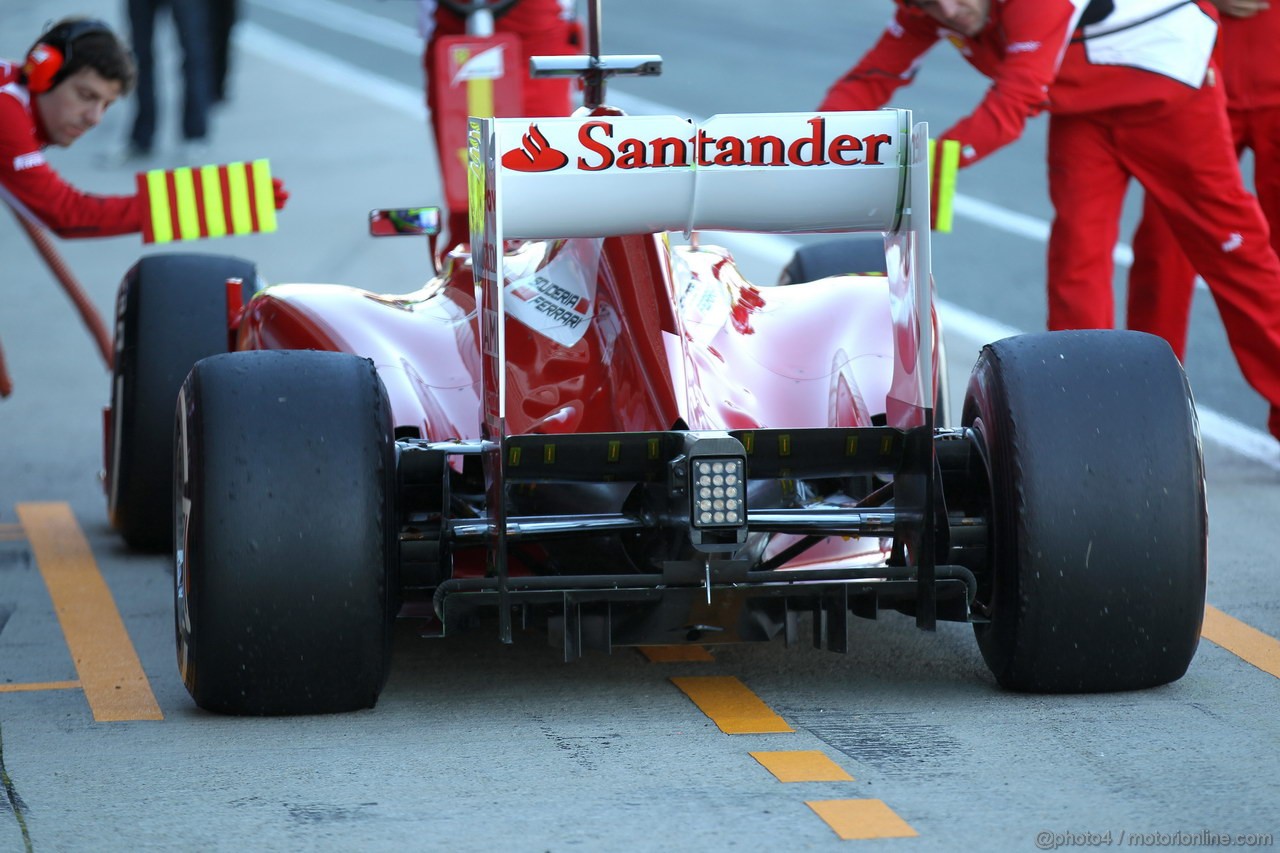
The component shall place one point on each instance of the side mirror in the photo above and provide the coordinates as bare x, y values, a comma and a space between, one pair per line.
398, 221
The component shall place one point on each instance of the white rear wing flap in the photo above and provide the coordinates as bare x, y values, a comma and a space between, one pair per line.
774, 172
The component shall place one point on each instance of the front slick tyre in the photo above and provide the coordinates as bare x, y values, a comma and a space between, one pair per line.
283, 494
1092, 451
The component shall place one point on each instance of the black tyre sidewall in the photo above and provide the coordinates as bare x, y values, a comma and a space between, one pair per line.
288, 587
1099, 522
170, 312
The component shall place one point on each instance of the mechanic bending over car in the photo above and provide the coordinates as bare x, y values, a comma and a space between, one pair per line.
1131, 92
543, 28
1162, 280
73, 73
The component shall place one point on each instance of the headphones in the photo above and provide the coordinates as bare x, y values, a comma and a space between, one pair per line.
52, 52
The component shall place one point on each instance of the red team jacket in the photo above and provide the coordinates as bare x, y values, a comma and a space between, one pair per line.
1027, 51
33, 184
1250, 67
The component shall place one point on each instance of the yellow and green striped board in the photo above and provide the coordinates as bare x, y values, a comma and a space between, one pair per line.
193, 203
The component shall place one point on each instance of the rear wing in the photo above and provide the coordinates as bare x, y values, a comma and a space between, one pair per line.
552, 178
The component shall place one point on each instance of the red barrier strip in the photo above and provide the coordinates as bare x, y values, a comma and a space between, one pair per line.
224, 178
171, 187
253, 195
201, 214
144, 197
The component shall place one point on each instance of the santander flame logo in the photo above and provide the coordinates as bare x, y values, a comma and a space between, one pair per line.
535, 154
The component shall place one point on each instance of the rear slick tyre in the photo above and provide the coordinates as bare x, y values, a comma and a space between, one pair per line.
1098, 521
284, 550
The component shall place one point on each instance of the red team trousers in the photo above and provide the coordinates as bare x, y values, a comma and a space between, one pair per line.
1162, 280
1205, 208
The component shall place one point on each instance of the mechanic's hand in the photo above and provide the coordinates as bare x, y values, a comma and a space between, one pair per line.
282, 195
1241, 8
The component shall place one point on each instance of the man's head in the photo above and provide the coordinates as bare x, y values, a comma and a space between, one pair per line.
76, 70
966, 17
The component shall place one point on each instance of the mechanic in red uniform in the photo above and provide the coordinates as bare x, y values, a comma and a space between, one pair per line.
1016, 43
70, 77
1162, 280
544, 28
1111, 119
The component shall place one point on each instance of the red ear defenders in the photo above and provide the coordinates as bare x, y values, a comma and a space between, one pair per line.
51, 53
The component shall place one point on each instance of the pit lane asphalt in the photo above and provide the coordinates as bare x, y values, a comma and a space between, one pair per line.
475, 746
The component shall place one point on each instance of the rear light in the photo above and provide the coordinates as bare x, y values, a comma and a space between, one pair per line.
719, 492
709, 478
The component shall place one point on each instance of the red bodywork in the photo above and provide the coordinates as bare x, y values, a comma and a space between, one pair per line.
704, 346
676, 336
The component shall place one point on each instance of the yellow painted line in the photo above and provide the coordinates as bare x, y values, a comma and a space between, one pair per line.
110, 672
802, 766
1244, 641
47, 685
730, 705
861, 819
11, 533
675, 654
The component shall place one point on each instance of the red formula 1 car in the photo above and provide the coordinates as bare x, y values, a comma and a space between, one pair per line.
580, 426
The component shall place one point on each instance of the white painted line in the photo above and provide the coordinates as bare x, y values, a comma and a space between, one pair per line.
330, 70
1020, 224
772, 248
351, 21
1240, 438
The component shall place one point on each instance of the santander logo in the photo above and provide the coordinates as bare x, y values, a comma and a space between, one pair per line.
600, 150
535, 154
